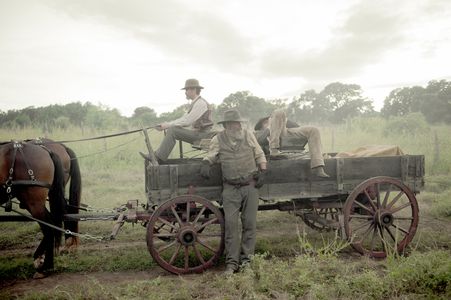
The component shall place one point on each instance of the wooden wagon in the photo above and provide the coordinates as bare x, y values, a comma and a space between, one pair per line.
369, 200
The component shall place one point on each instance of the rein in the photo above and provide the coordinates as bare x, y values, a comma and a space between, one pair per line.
101, 137
18, 146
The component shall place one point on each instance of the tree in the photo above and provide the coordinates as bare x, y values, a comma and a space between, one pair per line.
335, 103
403, 101
345, 100
144, 116
436, 104
251, 107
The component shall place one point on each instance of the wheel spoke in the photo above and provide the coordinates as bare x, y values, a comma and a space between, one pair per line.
387, 195
198, 254
365, 207
402, 218
360, 217
369, 222
164, 234
381, 234
188, 209
372, 239
395, 199
176, 215
400, 207
369, 200
199, 214
186, 257
206, 224
209, 234
378, 195
206, 245
161, 249
400, 228
167, 223
174, 255
390, 233
365, 234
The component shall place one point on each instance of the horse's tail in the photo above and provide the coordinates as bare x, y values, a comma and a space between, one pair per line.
74, 189
56, 196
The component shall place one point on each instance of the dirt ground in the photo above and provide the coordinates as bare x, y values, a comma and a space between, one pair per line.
19, 287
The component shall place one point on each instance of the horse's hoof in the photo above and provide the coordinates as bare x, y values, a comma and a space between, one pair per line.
39, 262
39, 275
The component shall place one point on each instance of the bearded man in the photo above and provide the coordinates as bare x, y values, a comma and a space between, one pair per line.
242, 159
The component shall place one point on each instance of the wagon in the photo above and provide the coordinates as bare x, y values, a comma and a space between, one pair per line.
370, 201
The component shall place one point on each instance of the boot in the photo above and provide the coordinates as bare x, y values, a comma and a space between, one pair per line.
275, 153
319, 172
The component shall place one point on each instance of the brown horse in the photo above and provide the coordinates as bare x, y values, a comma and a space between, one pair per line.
71, 172
30, 173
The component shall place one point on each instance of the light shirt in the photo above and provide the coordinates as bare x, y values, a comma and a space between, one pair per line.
199, 105
213, 151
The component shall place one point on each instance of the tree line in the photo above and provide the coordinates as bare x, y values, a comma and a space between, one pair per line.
334, 104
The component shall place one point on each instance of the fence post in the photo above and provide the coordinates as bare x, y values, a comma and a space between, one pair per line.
333, 140
436, 149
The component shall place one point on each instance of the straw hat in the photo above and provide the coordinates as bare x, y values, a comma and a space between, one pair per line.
231, 115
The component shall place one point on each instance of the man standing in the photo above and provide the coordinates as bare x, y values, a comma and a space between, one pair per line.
270, 129
198, 119
241, 159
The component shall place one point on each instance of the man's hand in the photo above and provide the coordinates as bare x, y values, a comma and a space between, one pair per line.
162, 126
205, 169
260, 180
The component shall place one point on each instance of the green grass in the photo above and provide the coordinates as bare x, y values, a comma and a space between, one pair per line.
292, 261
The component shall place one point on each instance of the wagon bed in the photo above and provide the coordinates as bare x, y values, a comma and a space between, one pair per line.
370, 201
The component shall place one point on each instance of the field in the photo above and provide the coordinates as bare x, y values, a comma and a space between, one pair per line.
292, 261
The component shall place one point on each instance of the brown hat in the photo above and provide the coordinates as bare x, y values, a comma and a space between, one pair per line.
231, 115
192, 83
259, 125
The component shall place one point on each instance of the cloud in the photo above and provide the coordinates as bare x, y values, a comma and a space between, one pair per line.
369, 32
177, 29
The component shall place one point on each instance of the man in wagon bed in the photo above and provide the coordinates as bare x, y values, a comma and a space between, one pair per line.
241, 159
270, 129
193, 126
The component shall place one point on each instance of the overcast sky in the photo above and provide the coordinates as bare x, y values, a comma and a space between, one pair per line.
126, 54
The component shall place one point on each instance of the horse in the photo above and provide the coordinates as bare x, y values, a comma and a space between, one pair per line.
71, 172
31, 173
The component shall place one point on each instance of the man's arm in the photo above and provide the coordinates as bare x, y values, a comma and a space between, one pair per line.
259, 155
213, 151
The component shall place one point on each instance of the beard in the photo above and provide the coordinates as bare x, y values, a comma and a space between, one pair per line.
235, 134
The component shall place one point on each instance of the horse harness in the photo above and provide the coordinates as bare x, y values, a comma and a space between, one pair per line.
10, 183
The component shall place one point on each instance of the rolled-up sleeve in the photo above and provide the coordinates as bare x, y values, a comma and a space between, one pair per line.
213, 151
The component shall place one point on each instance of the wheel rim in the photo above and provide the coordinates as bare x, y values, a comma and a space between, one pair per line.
380, 217
186, 234
326, 215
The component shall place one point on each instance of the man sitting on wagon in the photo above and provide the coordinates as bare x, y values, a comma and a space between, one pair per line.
270, 129
195, 125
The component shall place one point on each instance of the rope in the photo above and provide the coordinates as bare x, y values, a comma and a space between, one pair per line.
103, 151
101, 137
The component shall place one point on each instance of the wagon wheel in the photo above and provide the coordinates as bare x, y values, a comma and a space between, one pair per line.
186, 238
321, 219
380, 217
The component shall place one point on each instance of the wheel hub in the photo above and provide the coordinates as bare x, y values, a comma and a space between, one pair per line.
187, 236
384, 218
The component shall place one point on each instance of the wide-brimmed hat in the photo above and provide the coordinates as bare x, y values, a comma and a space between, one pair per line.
191, 83
259, 125
231, 115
